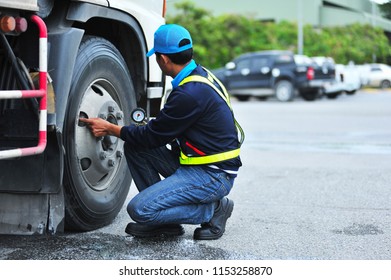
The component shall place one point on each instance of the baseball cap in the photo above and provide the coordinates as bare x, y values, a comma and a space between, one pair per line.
167, 39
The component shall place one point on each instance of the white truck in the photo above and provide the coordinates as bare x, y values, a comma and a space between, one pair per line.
60, 60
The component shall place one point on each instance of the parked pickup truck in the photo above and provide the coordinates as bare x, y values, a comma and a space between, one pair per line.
348, 81
275, 73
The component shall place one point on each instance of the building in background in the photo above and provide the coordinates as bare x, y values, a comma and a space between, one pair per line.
317, 13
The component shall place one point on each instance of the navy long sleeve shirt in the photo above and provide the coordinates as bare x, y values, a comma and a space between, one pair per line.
194, 115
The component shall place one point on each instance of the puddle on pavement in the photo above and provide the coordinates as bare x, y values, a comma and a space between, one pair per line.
103, 246
359, 229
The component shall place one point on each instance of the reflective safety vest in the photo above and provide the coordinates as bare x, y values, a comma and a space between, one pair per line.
208, 159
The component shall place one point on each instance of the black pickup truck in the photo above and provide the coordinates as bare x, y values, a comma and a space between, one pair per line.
275, 73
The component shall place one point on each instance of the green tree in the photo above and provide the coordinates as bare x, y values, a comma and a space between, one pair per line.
385, 10
218, 39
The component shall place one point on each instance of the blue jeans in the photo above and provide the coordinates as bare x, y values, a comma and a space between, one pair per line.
187, 195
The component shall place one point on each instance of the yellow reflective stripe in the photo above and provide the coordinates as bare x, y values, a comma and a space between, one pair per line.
201, 79
240, 130
225, 95
210, 74
185, 160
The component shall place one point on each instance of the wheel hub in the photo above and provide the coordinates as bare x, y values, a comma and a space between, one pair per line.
99, 157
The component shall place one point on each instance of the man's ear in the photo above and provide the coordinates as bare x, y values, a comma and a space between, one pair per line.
165, 58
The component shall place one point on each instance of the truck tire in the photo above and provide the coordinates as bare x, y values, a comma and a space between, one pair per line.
45, 8
284, 91
310, 95
96, 177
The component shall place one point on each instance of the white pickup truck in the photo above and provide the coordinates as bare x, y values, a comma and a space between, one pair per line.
62, 59
347, 81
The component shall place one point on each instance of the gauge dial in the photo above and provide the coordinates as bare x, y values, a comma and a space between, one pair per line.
138, 115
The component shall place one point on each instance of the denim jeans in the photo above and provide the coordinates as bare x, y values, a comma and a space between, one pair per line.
186, 195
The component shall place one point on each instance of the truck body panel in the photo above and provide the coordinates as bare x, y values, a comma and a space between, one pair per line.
28, 5
63, 187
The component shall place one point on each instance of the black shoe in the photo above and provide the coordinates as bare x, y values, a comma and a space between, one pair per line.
216, 226
139, 230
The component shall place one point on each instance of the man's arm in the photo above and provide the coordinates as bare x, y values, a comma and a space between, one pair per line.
100, 127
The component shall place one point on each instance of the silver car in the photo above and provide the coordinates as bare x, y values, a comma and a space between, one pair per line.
379, 75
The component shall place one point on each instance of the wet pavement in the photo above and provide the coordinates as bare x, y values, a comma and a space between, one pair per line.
108, 247
315, 185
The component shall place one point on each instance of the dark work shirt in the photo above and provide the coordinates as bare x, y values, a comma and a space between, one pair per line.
197, 117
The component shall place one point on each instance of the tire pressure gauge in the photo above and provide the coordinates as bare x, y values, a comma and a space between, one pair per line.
138, 115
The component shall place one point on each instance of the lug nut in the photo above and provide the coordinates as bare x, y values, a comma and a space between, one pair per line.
111, 109
119, 154
111, 162
102, 155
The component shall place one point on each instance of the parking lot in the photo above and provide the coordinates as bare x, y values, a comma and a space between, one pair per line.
315, 185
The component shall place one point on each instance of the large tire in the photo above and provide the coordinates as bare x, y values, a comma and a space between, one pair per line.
45, 8
284, 91
310, 95
96, 178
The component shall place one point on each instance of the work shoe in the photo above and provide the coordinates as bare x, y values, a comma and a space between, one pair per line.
215, 228
139, 230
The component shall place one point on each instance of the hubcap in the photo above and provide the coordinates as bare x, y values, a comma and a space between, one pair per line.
283, 92
99, 158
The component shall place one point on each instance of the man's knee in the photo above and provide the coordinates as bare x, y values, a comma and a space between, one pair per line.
138, 213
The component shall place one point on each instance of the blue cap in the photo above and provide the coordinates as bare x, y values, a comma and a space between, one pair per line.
167, 39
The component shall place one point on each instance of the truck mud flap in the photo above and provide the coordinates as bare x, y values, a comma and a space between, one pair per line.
35, 174
27, 214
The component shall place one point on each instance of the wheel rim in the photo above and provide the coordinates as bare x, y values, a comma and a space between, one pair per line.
385, 84
98, 158
283, 92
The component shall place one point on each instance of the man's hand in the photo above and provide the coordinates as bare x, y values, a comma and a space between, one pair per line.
100, 127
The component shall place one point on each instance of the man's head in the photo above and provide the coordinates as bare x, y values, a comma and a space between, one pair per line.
173, 41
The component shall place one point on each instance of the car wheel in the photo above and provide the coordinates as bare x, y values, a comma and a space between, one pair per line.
333, 95
284, 91
310, 95
243, 97
350, 92
385, 84
96, 177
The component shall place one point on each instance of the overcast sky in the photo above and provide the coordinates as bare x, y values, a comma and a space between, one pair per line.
381, 1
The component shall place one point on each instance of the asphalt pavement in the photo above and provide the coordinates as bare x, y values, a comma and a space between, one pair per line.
315, 185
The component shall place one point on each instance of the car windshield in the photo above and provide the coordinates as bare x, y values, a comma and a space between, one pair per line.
242, 64
260, 62
283, 59
302, 60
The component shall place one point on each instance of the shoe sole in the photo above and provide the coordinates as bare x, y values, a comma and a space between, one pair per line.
156, 233
230, 208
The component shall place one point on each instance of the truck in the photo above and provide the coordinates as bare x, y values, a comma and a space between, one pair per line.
274, 73
62, 60
348, 81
